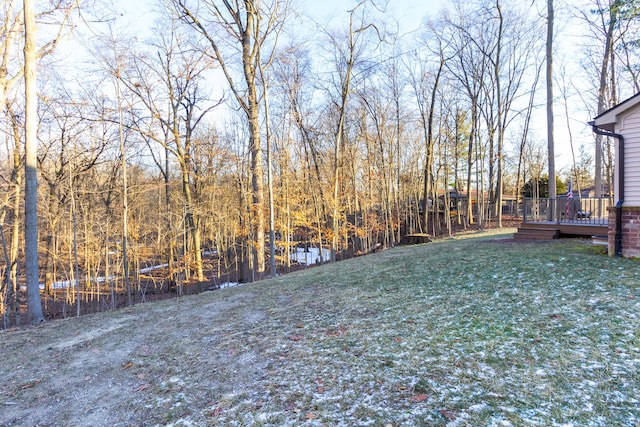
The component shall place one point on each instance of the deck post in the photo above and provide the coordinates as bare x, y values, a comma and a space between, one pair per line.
553, 210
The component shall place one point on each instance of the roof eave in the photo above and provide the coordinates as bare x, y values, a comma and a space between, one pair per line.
605, 125
608, 119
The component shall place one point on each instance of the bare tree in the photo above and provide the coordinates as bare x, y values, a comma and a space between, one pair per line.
67, 150
267, 121
167, 83
14, 21
516, 44
12, 25
12, 211
31, 174
469, 67
524, 138
346, 57
551, 158
425, 85
247, 26
293, 73
610, 22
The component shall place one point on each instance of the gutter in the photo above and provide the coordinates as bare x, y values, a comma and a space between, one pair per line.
620, 202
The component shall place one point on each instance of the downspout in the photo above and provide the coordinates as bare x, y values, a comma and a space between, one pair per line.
620, 138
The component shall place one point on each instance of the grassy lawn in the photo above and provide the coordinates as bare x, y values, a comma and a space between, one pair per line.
480, 330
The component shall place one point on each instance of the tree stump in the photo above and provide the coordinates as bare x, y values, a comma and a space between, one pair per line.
415, 239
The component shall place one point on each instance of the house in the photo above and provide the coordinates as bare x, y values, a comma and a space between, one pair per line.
585, 193
622, 123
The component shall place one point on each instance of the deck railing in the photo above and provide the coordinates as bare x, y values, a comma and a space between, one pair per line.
577, 210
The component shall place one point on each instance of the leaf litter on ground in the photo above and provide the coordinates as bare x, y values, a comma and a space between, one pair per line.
477, 330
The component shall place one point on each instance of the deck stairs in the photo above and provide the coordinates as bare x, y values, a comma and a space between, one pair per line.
539, 233
551, 230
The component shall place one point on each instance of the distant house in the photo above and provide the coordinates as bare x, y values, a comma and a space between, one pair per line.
622, 122
588, 192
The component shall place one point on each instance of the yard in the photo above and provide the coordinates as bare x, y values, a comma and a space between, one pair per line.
478, 330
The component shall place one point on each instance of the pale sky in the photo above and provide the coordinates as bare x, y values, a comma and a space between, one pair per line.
410, 14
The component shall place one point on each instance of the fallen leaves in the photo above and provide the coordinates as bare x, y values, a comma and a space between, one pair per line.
31, 384
145, 351
448, 415
336, 332
143, 387
420, 397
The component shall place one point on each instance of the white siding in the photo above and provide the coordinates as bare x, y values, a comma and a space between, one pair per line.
629, 127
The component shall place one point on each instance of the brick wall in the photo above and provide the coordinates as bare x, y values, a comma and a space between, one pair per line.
630, 231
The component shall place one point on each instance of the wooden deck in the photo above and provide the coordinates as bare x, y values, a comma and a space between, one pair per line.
553, 230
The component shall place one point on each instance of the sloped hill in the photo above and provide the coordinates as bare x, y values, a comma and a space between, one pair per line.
481, 330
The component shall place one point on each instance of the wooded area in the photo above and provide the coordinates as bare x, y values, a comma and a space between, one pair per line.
230, 133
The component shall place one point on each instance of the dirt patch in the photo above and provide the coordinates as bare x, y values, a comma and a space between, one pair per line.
130, 367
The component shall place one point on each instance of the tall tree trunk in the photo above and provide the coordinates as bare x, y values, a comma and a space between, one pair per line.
427, 128
550, 142
171, 257
346, 87
472, 141
5, 284
125, 193
192, 223
250, 58
525, 136
53, 210
501, 120
272, 234
34, 304
16, 182
14, 305
257, 177
602, 95
75, 271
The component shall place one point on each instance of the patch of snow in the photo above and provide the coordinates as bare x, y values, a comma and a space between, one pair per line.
153, 267
479, 407
229, 285
311, 256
